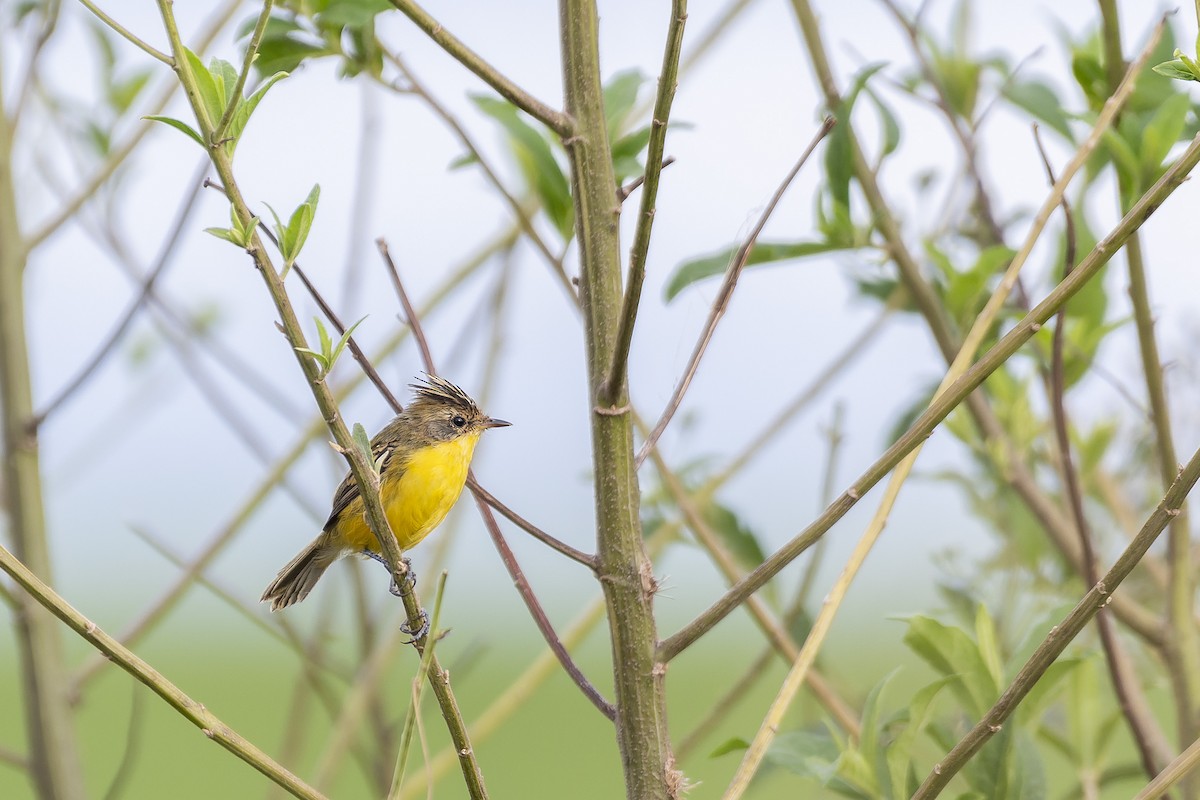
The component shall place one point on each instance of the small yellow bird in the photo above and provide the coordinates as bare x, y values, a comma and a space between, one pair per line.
424, 454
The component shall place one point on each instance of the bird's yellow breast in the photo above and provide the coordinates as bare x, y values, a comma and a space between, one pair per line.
417, 495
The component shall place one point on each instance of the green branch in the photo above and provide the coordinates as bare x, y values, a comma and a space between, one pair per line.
557, 121
667, 82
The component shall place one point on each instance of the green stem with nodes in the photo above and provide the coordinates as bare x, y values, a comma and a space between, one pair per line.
667, 82
557, 121
365, 475
623, 568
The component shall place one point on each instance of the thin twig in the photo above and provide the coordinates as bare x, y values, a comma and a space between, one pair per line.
1061, 635
623, 192
557, 121
1179, 768
586, 559
791, 615
1151, 744
410, 313
126, 34
725, 293
614, 384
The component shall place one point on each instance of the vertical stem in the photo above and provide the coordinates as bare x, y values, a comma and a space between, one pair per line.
54, 757
1182, 651
624, 570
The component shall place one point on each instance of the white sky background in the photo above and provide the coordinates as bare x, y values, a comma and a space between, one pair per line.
141, 447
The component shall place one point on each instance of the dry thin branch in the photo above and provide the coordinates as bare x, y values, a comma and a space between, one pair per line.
624, 191
725, 293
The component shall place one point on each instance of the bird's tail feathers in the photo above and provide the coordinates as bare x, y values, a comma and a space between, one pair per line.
296, 580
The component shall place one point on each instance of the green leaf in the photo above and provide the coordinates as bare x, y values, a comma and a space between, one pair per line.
627, 150
341, 345
952, 654
1089, 74
733, 745
900, 753
122, 93
466, 159
989, 645
228, 235
804, 753
620, 93
869, 743
891, 127
237, 123
740, 540
351, 13
1047, 688
1042, 103
285, 46
839, 161
363, 441
322, 362
211, 96
533, 154
326, 342
225, 77
1123, 156
698, 269
296, 233
178, 125
1176, 70
1161, 133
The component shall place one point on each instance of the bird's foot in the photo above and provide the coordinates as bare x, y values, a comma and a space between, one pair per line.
420, 633
410, 579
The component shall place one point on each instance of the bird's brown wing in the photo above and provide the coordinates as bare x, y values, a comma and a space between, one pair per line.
347, 491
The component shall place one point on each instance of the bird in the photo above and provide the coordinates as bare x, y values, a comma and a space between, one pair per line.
423, 456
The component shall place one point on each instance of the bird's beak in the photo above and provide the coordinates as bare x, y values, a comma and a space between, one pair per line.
495, 423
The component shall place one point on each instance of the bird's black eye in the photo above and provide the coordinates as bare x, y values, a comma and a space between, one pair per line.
458, 420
